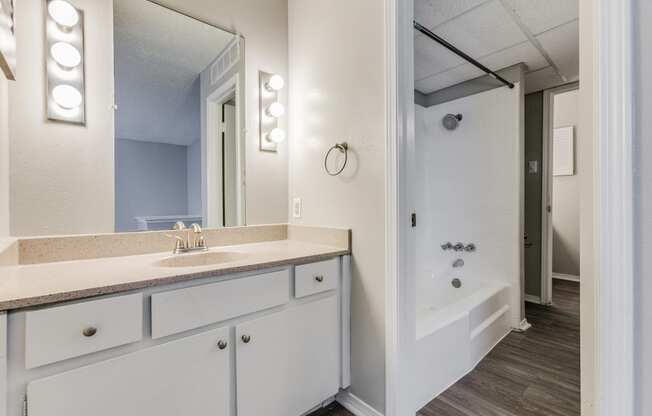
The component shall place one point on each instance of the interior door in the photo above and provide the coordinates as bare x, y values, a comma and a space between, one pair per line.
288, 362
190, 376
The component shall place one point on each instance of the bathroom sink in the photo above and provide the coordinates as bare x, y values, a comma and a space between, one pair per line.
201, 259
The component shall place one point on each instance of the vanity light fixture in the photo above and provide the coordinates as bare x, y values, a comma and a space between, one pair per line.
65, 55
275, 83
270, 111
64, 62
277, 135
63, 13
275, 110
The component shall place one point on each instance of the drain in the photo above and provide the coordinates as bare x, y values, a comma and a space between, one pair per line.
457, 283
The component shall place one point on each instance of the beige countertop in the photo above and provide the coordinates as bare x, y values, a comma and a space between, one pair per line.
25, 285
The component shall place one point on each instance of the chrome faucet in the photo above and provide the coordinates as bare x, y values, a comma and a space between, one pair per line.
458, 263
186, 245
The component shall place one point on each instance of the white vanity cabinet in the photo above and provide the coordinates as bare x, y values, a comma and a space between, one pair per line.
271, 343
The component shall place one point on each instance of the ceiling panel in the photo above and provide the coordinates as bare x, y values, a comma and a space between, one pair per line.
431, 58
483, 30
523, 52
563, 47
542, 15
542, 79
445, 79
431, 13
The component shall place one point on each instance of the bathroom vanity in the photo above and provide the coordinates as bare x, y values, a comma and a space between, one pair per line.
262, 329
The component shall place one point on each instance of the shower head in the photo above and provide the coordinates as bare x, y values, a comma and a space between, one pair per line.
451, 121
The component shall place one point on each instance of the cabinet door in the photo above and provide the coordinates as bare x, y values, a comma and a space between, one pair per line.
190, 376
290, 363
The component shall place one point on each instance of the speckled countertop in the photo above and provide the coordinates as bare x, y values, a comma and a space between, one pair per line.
25, 285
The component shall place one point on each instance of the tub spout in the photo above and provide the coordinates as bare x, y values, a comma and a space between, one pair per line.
458, 263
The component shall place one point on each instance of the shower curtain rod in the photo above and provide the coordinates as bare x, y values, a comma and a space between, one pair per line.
458, 52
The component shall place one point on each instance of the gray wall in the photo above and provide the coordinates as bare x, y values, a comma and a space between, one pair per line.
194, 178
643, 206
566, 197
151, 179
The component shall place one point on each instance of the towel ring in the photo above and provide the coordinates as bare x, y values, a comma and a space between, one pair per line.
343, 148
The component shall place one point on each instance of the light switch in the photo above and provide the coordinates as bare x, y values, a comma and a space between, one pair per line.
296, 207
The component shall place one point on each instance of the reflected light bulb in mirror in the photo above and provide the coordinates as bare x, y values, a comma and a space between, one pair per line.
63, 13
67, 97
276, 110
277, 135
275, 83
65, 55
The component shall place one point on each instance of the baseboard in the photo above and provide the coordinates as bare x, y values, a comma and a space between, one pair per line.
569, 277
355, 405
532, 299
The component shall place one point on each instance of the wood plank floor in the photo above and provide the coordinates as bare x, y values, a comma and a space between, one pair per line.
535, 373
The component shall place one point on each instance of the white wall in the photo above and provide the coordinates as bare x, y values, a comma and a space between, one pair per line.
264, 25
468, 190
62, 174
643, 206
4, 158
337, 86
566, 195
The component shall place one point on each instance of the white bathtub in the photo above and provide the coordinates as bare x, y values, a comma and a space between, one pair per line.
456, 328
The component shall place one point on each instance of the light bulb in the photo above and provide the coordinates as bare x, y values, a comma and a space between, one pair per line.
275, 83
63, 13
277, 135
65, 55
67, 96
276, 110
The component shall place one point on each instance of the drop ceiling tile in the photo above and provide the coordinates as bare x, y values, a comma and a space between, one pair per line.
523, 52
483, 30
448, 78
563, 46
542, 79
542, 15
431, 13
431, 58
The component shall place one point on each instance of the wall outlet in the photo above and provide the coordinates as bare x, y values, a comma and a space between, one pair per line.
296, 207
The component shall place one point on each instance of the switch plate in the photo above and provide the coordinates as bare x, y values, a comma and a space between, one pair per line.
296, 207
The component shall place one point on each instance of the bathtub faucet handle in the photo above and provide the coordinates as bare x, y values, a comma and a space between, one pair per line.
458, 247
447, 246
470, 248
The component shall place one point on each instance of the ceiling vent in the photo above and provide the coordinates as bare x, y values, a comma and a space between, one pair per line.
227, 60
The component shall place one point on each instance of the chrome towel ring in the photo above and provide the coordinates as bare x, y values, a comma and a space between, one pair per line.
343, 148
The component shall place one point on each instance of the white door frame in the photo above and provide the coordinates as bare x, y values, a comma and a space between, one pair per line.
613, 225
546, 188
213, 116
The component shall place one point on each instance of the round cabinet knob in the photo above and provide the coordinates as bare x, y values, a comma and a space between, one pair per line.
246, 339
319, 278
89, 332
221, 344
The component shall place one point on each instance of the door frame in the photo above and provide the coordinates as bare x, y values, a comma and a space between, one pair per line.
214, 102
546, 187
608, 308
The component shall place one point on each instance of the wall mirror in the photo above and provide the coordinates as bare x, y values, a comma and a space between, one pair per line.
179, 120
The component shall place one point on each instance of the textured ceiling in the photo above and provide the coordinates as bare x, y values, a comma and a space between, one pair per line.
159, 55
543, 34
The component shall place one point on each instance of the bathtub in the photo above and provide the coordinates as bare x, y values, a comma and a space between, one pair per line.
456, 328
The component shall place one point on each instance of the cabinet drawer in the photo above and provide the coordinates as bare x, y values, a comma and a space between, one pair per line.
63, 332
194, 307
313, 278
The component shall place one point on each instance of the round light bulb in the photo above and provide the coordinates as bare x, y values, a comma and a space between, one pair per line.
276, 110
275, 83
63, 13
65, 55
277, 135
67, 96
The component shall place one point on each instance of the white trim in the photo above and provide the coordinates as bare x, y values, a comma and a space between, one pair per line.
614, 181
546, 189
532, 299
568, 277
355, 405
213, 113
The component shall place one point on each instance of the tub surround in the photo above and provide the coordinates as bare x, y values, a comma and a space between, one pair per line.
92, 265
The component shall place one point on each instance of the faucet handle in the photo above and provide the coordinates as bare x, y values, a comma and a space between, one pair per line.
179, 243
447, 246
199, 238
458, 247
179, 225
196, 228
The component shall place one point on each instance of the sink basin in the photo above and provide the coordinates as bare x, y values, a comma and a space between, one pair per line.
201, 259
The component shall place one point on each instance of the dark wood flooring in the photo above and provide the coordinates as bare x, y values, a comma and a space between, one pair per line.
535, 373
